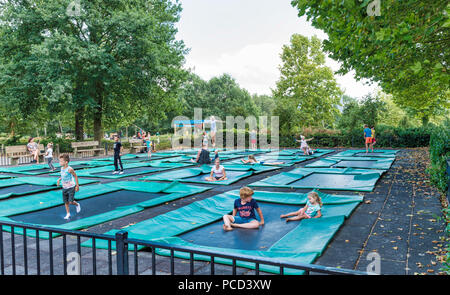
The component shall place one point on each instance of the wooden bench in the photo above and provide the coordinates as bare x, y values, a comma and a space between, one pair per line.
15, 152
87, 146
136, 144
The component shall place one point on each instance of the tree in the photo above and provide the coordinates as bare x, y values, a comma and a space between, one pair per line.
405, 48
114, 61
307, 89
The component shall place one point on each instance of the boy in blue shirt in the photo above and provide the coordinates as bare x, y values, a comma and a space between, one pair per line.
368, 138
243, 215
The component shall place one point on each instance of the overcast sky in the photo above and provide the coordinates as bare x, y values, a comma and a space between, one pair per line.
244, 38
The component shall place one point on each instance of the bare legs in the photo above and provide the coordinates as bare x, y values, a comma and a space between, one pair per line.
298, 215
228, 223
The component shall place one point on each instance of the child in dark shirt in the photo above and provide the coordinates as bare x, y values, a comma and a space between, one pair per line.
117, 155
243, 215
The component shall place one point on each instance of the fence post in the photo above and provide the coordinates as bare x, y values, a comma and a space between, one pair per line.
122, 253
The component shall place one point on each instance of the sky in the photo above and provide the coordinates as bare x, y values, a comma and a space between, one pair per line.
244, 38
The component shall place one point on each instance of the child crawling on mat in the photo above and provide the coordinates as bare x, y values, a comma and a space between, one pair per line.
311, 209
217, 172
243, 215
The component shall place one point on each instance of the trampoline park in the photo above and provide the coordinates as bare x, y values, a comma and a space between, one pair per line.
36, 200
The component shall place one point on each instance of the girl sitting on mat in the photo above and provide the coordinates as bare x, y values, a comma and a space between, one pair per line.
252, 160
243, 214
311, 209
217, 172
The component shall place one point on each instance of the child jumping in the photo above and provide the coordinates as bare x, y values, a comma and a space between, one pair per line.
304, 145
49, 156
70, 184
311, 209
243, 215
118, 149
148, 141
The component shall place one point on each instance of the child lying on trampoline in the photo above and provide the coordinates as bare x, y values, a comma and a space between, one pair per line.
252, 160
243, 215
311, 209
217, 172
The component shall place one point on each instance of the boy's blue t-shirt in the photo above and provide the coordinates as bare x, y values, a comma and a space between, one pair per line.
247, 210
367, 132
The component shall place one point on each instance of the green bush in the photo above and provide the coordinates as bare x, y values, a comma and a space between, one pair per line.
439, 153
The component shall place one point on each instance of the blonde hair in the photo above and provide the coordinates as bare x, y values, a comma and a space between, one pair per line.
245, 192
251, 157
316, 197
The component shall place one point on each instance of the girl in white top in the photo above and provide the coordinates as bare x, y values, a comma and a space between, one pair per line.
304, 144
217, 172
49, 156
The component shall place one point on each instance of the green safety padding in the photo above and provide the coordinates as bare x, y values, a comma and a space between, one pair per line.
173, 191
353, 162
299, 152
41, 181
324, 178
312, 235
48, 199
183, 174
303, 257
376, 153
32, 169
303, 244
5, 176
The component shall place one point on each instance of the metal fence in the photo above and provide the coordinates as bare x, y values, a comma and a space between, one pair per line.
35, 255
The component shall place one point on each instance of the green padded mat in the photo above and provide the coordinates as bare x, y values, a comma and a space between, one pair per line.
362, 153
171, 191
299, 152
130, 169
303, 244
42, 183
353, 162
324, 178
37, 169
235, 172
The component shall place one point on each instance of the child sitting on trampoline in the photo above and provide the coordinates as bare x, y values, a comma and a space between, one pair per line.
311, 209
217, 172
243, 215
69, 183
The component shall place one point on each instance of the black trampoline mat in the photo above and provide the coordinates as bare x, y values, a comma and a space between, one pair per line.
213, 235
231, 175
358, 164
25, 188
138, 170
319, 180
362, 154
47, 170
89, 207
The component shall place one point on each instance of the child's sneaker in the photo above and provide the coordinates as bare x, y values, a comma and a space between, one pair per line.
67, 216
121, 172
78, 208
115, 172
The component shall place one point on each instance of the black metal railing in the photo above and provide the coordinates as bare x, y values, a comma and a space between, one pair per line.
19, 251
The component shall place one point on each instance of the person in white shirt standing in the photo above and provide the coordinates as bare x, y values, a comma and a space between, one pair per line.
70, 184
49, 156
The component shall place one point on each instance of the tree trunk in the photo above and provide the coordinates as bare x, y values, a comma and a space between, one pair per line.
11, 128
425, 120
98, 128
79, 124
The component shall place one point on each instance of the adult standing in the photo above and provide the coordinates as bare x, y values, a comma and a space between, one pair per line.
33, 149
368, 138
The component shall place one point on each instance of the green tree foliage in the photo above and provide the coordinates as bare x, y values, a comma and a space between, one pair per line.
220, 96
357, 113
307, 93
405, 48
113, 60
